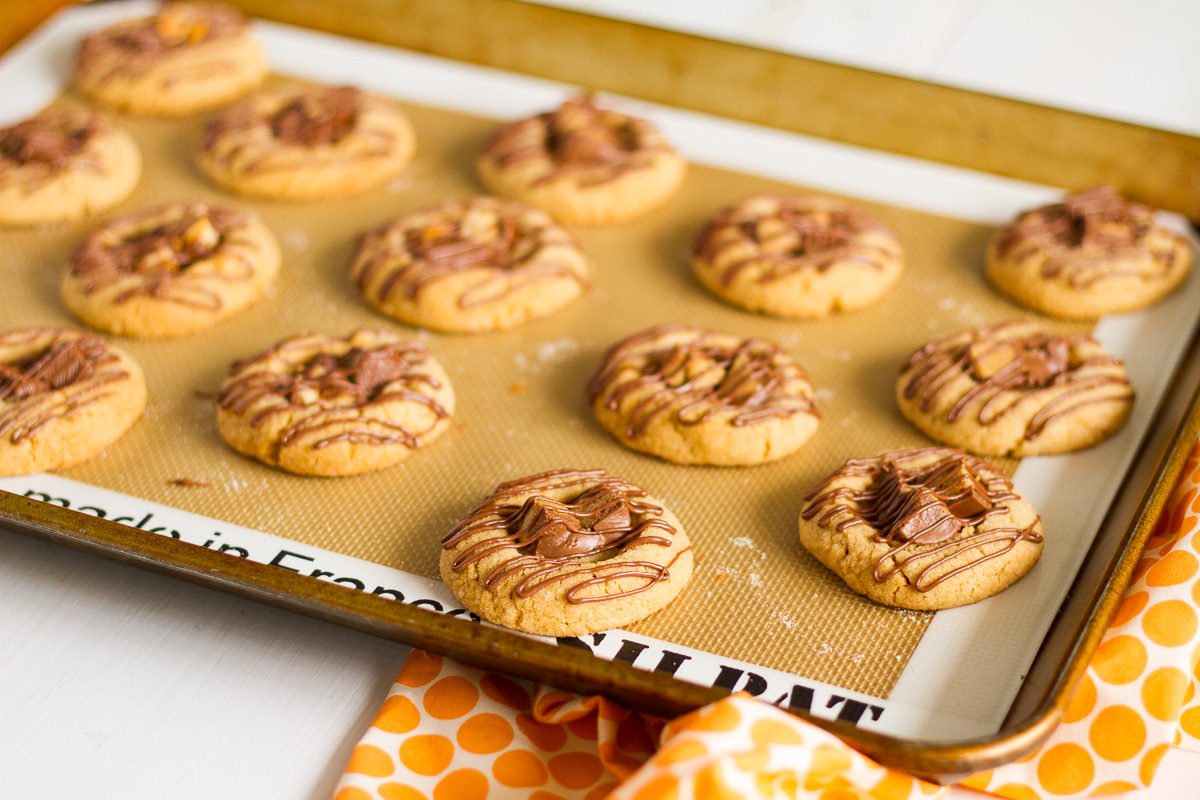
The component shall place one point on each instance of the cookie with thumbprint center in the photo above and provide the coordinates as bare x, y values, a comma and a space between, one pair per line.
185, 58
584, 164
170, 271
1015, 389
565, 553
924, 529
325, 405
307, 143
1092, 254
796, 256
65, 395
64, 163
695, 396
472, 265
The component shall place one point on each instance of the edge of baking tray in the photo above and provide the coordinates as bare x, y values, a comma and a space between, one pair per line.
890, 113
817, 98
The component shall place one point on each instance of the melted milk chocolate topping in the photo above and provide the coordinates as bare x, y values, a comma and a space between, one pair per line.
511, 245
51, 141
1085, 236
157, 256
1010, 367
53, 383
325, 394
321, 116
795, 236
318, 117
932, 513
578, 137
699, 376
548, 541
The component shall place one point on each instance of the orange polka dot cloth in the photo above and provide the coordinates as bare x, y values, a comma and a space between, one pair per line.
450, 732
1138, 697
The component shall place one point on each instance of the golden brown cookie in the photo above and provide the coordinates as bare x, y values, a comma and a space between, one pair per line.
1092, 254
306, 143
583, 164
170, 271
320, 405
798, 256
472, 265
925, 529
566, 553
65, 395
696, 396
188, 57
63, 163
1013, 389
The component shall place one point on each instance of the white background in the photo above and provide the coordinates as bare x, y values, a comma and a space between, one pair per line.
122, 683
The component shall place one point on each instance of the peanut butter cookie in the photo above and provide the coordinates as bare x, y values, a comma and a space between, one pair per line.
695, 396
319, 405
65, 395
796, 256
64, 163
188, 57
305, 143
170, 271
1013, 389
1092, 254
583, 164
925, 529
472, 265
565, 553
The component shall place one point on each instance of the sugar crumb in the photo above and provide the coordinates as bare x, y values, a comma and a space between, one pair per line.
296, 238
557, 350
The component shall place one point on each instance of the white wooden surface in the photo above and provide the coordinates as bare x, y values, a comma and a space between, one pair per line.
119, 683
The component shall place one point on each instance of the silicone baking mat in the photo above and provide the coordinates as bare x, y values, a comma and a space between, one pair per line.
756, 596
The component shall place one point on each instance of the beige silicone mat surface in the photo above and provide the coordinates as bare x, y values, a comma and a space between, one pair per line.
756, 596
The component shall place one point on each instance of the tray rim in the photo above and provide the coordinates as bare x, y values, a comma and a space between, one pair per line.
566, 667
930, 121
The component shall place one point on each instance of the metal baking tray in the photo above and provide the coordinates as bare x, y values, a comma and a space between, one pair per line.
888, 113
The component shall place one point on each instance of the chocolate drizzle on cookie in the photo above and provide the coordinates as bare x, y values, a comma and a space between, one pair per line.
699, 374
1089, 237
323, 395
47, 144
779, 236
929, 513
311, 118
578, 137
504, 238
40, 141
54, 382
1011, 365
150, 252
133, 47
549, 541
319, 117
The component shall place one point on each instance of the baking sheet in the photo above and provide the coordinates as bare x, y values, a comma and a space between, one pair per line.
757, 596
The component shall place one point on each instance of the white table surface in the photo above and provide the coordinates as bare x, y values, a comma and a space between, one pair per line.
115, 682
